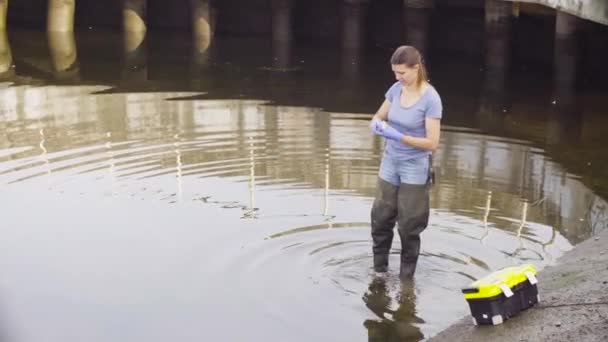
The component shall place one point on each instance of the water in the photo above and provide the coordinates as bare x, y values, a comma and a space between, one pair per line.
227, 197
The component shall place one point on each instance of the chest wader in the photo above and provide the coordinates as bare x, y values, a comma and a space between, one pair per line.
408, 205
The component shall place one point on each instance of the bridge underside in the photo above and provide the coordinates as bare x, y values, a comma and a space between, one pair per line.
594, 10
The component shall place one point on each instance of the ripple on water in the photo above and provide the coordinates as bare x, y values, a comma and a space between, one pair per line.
299, 182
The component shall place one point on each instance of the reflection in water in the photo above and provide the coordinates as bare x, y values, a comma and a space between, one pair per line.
351, 66
43, 156
281, 55
185, 187
64, 56
252, 210
486, 214
202, 33
494, 99
6, 57
282, 33
565, 124
519, 254
135, 68
324, 150
319, 227
398, 324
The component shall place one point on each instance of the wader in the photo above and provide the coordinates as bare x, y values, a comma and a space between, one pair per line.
408, 206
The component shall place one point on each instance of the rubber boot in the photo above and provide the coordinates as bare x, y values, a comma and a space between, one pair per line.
413, 218
383, 217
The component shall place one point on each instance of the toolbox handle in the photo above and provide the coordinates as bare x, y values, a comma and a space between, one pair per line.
470, 290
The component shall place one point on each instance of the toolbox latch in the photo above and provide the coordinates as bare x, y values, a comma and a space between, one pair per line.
506, 290
531, 278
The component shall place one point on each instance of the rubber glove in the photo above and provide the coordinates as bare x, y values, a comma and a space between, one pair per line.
392, 134
376, 126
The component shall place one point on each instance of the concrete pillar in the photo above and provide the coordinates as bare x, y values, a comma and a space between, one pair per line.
353, 14
565, 124
135, 68
203, 31
281, 55
351, 66
353, 30
60, 16
416, 17
282, 32
133, 40
62, 46
282, 20
498, 27
566, 50
202, 24
494, 101
134, 14
6, 57
3, 12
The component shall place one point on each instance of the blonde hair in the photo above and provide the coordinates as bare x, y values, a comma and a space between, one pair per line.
410, 56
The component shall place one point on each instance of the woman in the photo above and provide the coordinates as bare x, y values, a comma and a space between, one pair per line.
409, 119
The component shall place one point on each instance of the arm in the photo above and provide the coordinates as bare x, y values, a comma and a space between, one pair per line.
382, 113
430, 143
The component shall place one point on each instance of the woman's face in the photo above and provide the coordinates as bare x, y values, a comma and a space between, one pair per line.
405, 74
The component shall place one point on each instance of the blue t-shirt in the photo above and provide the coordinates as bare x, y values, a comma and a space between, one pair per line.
411, 120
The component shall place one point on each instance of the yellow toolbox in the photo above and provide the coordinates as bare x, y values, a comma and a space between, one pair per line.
502, 294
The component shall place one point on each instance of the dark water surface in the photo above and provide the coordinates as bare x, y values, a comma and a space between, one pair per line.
167, 194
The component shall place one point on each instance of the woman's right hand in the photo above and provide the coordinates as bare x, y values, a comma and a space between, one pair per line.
376, 126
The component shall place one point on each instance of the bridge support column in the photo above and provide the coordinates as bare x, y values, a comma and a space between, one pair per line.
134, 14
62, 46
6, 57
3, 12
494, 102
566, 122
353, 28
565, 49
282, 32
282, 18
60, 15
498, 27
353, 14
416, 18
135, 63
202, 24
